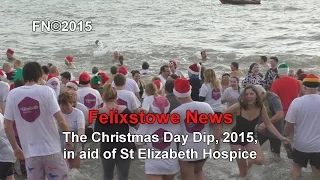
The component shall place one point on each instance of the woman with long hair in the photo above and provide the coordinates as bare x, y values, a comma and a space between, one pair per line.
164, 169
76, 122
211, 91
123, 165
254, 76
232, 93
249, 109
151, 94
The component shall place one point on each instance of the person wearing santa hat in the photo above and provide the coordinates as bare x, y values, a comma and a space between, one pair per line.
131, 85
194, 73
88, 96
69, 62
160, 168
54, 83
192, 166
104, 77
10, 53
159, 86
72, 85
173, 65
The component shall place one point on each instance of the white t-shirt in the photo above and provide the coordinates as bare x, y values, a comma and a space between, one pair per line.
146, 104
32, 108
189, 129
160, 166
4, 91
162, 79
84, 110
131, 85
75, 122
89, 97
145, 72
6, 151
230, 92
212, 97
127, 98
304, 113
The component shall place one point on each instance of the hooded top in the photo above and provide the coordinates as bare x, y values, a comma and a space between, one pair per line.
54, 83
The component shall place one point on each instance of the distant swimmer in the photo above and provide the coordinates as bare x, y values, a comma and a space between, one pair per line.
204, 56
116, 55
145, 69
99, 44
10, 55
69, 62
121, 60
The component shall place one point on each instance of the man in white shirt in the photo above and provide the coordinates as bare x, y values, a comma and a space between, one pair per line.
4, 90
303, 117
131, 85
35, 110
164, 73
125, 97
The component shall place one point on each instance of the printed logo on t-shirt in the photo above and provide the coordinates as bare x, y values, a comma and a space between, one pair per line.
29, 109
90, 100
192, 127
161, 145
122, 102
216, 94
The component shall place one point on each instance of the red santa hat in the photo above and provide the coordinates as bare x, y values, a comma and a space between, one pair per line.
72, 84
123, 70
51, 76
69, 59
10, 52
158, 84
104, 77
181, 88
195, 69
160, 105
174, 62
3, 75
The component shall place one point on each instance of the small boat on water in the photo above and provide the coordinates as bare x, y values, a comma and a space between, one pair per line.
240, 2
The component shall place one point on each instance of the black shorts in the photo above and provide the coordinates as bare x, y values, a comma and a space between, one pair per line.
6, 169
197, 161
303, 158
275, 144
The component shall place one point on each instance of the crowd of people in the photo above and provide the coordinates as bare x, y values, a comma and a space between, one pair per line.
38, 103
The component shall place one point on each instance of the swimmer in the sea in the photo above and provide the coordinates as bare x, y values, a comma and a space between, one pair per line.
10, 55
204, 56
116, 55
120, 60
69, 62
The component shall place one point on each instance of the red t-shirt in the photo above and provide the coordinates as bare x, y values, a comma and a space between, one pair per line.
287, 88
